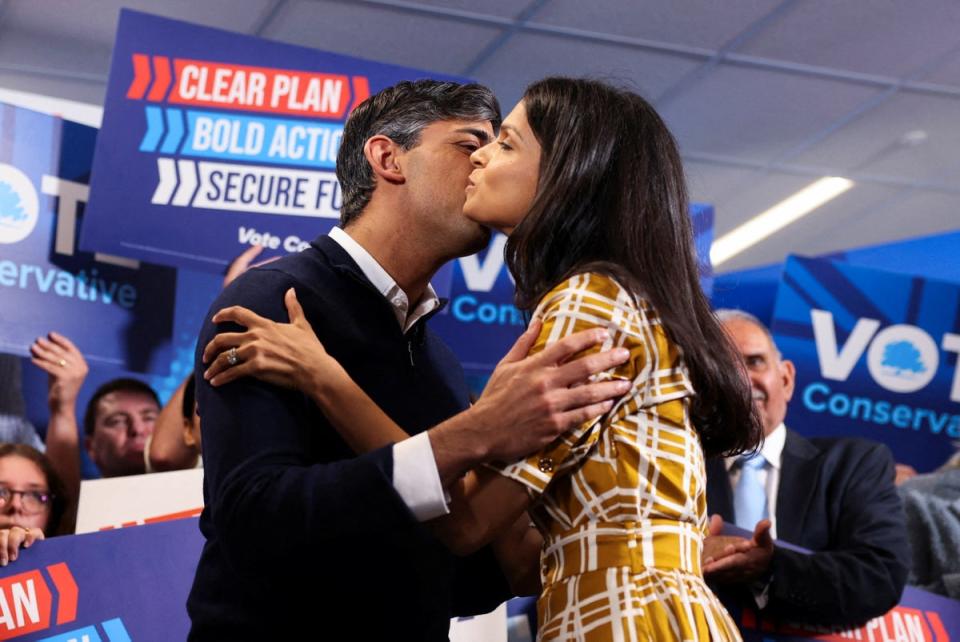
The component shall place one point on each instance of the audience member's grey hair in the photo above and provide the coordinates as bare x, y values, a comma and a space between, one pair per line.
729, 314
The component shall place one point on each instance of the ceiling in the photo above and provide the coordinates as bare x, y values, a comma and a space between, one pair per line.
764, 96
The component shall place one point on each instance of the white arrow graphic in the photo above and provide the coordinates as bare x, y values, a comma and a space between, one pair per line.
168, 181
188, 183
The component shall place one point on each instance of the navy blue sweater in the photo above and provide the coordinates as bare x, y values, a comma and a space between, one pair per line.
302, 535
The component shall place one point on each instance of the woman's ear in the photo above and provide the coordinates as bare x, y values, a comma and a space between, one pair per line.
383, 155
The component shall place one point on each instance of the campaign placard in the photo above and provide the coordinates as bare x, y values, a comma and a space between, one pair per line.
213, 141
132, 584
876, 356
121, 502
118, 312
480, 322
116, 586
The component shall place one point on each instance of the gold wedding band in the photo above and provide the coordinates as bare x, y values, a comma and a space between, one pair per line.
62, 363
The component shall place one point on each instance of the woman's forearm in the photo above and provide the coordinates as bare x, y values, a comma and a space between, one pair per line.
484, 503
518, 552
354, 415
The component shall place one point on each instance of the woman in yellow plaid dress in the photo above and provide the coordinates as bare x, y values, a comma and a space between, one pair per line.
587, 181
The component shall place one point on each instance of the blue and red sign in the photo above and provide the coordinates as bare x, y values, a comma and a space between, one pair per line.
114, 586
118, 312
213, 141
876, 356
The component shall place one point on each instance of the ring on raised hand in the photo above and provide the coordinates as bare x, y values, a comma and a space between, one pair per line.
62, 363
232, 357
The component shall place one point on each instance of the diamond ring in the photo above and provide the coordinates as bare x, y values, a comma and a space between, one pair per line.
232, 357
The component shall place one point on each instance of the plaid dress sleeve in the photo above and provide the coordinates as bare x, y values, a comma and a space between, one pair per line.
586, 301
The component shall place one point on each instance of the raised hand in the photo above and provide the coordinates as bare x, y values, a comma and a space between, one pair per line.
59, 357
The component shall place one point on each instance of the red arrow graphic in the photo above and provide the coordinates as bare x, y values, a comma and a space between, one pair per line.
361, 91
141, 77
67, 588
936, 624
161, 67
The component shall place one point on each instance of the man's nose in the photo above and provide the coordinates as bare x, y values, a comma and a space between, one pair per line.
141, 426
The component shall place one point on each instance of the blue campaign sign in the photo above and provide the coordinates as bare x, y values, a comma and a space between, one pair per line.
122, 585
876, 356
480, 322
118, 312
131, 585
754, 289
212, 141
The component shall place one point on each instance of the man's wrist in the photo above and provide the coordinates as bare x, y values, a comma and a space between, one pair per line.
459, 445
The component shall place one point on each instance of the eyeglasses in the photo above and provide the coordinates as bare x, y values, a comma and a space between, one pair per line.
33, 501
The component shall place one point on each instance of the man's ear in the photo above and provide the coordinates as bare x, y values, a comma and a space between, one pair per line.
188, 439
383, 155
789, 373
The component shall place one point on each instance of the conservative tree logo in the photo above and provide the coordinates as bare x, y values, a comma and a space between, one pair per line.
903, 359
19, 206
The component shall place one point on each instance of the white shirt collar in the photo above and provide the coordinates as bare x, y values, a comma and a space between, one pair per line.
772, 449
385, 284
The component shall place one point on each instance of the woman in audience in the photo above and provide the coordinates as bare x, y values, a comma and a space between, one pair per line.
32, 499
587, 181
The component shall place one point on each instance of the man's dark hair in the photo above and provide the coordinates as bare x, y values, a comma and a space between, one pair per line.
400, 113
123, 384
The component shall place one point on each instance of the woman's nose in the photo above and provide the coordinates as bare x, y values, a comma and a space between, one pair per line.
15, 505
479, 157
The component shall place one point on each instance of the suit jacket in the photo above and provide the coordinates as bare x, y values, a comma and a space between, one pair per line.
837, 499
301, 534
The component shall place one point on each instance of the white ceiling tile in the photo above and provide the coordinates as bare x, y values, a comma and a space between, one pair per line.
757, 114
876, 142
907, 214
700, 23
81, 91
710, 183
529, 57
382, 34
96, 22
59, 55
947, 72
882, 37
498, 8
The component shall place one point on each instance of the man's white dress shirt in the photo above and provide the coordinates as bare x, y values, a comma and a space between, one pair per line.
415, 475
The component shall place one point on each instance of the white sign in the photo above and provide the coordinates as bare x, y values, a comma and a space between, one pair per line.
139, 499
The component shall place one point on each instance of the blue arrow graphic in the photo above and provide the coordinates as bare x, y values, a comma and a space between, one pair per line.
174, 131
115, 631
154, 129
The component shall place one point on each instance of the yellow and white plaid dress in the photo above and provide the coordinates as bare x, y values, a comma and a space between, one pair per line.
621, 500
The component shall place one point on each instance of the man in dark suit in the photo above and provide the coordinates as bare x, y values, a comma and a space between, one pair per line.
304, 538
834, 497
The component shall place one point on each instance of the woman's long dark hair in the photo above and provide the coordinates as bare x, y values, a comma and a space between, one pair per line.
612, 198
